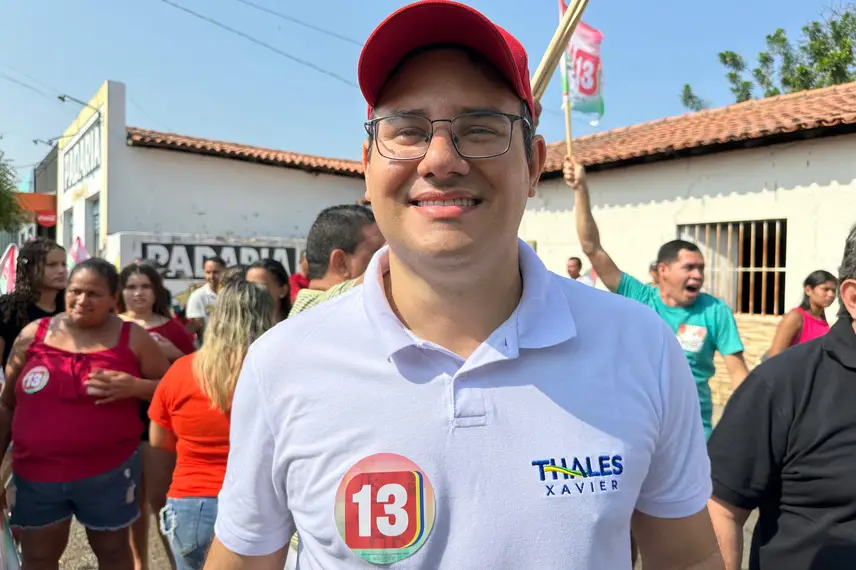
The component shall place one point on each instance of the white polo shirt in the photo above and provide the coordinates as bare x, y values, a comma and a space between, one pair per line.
381, 448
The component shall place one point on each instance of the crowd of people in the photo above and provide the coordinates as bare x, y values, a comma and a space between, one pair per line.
138, 398
424, 393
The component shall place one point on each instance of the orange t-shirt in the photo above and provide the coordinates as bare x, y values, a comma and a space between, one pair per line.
202, 432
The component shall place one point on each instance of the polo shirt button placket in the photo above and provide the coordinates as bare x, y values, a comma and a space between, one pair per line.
469, 405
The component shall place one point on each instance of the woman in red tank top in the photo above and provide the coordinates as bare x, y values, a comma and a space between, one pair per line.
144, 301
808, 321
70, 405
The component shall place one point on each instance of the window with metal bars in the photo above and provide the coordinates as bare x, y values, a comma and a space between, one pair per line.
744, 263
93, 241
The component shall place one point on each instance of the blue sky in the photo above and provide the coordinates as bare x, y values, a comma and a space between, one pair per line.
187, 76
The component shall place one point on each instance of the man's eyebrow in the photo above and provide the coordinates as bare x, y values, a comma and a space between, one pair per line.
394, 112
461, 111
481, 110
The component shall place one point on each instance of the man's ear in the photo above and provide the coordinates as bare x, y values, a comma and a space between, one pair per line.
536, 164
338, 263
848, 296
366, 168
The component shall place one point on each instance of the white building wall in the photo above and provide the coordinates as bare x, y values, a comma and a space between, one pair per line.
637, 209
153, 190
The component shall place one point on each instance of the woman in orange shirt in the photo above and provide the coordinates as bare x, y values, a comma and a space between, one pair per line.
190, 415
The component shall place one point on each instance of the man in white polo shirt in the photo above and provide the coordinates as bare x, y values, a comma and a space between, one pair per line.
465, 408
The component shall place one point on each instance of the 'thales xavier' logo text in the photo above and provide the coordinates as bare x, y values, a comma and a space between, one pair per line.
585, 475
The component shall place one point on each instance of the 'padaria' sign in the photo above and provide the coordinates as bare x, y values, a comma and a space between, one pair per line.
187, 261
83, 157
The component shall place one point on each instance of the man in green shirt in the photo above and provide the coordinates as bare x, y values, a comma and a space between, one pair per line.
340, 244
702, 323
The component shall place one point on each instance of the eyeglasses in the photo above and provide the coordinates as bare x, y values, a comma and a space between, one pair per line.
475, 135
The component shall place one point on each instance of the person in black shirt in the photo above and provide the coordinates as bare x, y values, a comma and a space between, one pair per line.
786, 445
39, 284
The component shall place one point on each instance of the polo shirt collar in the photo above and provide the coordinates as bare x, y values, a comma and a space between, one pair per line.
542, 318
388, 329
840, 343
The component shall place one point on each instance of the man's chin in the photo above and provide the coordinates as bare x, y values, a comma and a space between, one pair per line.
443, 244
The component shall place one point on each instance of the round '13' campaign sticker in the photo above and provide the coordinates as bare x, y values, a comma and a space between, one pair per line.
36, 379
384, 508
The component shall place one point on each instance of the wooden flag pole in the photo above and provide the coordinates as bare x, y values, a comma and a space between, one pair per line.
559, 43
569, 139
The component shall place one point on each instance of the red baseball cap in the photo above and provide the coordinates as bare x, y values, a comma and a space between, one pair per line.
430, 22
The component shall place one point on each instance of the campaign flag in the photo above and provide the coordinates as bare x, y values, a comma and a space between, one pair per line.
7, 269
76, 254
582, 71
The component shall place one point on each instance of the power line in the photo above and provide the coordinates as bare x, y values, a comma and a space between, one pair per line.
146, 113
261, 43
25, 166
26, 86
33, 79
301, 23
55, 90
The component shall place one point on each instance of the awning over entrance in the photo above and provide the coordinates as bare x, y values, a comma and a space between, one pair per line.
41, 207
36, 202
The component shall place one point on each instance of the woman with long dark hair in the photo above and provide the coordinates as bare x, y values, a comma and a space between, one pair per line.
808, 320
143, 300
271, 274
39, 282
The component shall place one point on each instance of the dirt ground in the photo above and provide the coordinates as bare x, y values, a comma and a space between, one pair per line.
78, 555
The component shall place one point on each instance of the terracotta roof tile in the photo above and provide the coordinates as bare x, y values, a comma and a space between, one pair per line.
752, 120
747, 121
168, 141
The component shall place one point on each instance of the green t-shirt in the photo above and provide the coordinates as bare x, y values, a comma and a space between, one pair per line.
701, 329
308, 298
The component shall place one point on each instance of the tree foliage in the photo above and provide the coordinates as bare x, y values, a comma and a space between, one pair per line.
692, 101
823, 56
11, 216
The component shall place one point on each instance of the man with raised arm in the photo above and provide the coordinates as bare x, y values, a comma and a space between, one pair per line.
464, 408
702, 323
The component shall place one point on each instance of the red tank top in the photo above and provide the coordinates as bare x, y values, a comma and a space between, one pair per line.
812, 327
174, 332
59, 433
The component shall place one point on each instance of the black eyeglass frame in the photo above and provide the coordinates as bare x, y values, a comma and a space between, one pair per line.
371, 129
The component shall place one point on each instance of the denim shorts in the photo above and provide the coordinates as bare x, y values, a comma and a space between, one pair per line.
188, 525
104, 502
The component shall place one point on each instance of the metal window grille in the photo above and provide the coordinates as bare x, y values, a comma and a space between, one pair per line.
744, 263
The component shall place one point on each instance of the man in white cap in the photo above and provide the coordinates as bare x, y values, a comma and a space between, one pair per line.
464, 408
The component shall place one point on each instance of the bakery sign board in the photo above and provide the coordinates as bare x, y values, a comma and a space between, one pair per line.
187, 261
83, 157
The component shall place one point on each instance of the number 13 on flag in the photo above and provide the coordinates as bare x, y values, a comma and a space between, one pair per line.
586, 72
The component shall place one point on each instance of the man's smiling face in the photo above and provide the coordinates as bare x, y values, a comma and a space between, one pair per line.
444, 204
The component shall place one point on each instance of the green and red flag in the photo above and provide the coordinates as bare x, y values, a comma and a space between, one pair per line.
582, 71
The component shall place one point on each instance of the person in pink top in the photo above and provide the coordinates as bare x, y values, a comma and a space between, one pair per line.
808, 321
143, 300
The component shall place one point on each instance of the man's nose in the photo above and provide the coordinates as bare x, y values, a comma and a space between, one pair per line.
442, 159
